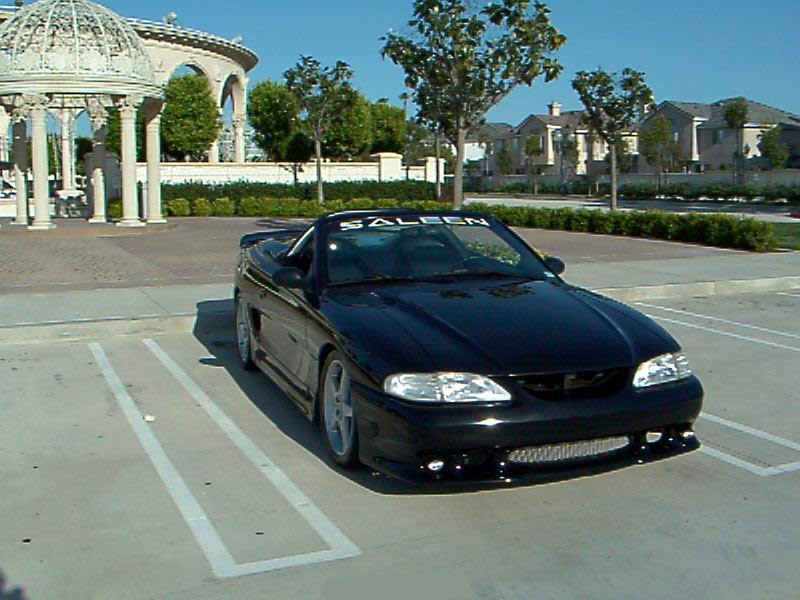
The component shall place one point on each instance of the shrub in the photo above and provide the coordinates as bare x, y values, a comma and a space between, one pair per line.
114, 210
178, 207
249, 207
201, 207
223, 207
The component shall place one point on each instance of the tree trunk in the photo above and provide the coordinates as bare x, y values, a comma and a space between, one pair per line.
613, 149
458, 172
438, 154
318, 152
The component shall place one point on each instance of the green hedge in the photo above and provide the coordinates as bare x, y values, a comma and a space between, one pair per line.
725, 231
405, 191
716, 190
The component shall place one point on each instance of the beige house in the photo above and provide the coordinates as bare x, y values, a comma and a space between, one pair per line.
706, 141
550, 129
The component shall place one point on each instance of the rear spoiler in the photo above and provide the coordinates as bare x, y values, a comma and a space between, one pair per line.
249, 239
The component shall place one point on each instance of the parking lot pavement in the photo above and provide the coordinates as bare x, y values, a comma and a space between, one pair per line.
157, 468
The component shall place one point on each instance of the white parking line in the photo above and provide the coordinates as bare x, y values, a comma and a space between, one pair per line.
709, 318
752, 431
743, 464
787, 294
340, 545
725, 333
207, 537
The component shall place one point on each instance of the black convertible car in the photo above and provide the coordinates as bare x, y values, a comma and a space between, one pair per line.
440, 347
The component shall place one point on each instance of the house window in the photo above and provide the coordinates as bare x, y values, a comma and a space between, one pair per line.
717, 136
676, 136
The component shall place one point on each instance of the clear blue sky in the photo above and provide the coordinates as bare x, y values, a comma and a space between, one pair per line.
690, 50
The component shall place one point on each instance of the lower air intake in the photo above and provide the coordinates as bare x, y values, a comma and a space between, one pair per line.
554, 453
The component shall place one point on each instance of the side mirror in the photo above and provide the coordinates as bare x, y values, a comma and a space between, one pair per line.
555, 264
290, 277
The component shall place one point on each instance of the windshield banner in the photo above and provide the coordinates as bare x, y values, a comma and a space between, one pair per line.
386, 221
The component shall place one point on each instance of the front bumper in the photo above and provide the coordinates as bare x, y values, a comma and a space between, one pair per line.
402, 439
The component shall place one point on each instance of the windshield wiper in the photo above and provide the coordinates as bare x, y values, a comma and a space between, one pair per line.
499, 274
375, 279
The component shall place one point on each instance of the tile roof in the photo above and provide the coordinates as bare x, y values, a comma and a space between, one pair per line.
757, 113
695, 109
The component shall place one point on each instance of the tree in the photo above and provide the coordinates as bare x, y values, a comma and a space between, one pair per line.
350, 132
773, 149
612, 104
534, 147
658, 147
505, 162
418, 146
272, 112
433, 115
735, 113
83, 146
626, 160
470, 59
321, 93
388, 127
190, 122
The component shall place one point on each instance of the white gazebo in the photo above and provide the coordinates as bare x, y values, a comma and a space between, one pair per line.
67, 57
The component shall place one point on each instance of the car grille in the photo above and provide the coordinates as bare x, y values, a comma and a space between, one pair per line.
555, 453
576, 386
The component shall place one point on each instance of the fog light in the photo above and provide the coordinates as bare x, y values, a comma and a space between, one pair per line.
653, 436
436, 465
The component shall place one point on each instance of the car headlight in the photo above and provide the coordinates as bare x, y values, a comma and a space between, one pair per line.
673, 366
445, 388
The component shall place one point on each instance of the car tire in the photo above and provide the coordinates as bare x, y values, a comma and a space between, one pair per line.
337, 418
244, 337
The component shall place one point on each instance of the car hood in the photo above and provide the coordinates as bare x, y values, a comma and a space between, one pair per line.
497, 327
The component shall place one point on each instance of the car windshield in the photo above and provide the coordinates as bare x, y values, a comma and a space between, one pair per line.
425, 247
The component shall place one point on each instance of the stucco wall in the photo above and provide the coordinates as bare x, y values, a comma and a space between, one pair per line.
285, 172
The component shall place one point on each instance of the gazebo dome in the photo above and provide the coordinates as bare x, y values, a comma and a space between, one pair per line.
73, 47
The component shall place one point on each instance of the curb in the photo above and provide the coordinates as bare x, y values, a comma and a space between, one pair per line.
73, 331
679, 291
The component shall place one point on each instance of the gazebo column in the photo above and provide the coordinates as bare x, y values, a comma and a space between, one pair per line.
153, 127
5, 120
41, 182
238, 125
67, 150
130, 201
20, 131
98, 115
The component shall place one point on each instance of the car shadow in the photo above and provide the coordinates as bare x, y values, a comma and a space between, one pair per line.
214, 329
16, 593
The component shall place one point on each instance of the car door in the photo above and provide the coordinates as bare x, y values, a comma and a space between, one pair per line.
283, 317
